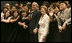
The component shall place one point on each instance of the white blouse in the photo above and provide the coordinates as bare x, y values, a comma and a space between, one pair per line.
44, 25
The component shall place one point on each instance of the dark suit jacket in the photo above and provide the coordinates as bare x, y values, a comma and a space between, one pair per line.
34, 20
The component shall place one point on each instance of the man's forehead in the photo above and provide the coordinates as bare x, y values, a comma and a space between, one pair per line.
34, 3
62, 4
7, 4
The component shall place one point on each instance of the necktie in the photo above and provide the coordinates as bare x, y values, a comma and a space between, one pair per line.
31, 15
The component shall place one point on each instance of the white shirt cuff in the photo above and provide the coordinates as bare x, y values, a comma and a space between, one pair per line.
59, 27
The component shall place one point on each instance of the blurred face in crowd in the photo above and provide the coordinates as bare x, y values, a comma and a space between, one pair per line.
13, 8
51, 6
21, 5
67, 2
26, 8
60, 7
7, 13
57, 3
51, 13
63, 6
56, 10
7, 5
24, 14
5, 10
34, 6
15, 14
16, 4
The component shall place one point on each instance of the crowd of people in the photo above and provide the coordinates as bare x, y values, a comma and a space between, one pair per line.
31, 22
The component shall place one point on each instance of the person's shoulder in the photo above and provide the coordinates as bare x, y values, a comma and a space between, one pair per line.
69, 8
66, 9
46, 16
37, 11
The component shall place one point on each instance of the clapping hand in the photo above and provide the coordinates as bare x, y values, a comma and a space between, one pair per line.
60, 29
64, 26
35, 30
25, 26
19, 23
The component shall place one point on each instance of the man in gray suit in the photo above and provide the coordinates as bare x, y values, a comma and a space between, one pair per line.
64, 22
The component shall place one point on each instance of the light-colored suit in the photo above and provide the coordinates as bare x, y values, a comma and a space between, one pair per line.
64, 16
43, 28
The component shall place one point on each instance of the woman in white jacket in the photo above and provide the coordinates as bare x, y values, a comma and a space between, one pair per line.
43, 30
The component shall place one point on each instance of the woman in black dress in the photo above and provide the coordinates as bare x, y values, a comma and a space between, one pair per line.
23, 33
6, 30
54, 35
14, 25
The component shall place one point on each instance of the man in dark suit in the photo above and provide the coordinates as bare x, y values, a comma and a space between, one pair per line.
35, 16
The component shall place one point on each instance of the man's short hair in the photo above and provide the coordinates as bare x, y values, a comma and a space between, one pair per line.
36, 4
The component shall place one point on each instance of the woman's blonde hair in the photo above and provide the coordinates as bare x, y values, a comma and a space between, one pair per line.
46, 9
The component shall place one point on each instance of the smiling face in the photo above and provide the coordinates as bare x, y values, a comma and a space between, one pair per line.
51, 13
34, 6
62, 6
7, 13
43, 10
13, 8
15, 14
5, 10
24, 14
56, 9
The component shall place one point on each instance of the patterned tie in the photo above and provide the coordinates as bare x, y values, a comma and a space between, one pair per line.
62, 12
63, 16
31, 14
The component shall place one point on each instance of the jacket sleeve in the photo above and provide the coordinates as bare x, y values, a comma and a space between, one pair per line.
68, 21
58, 20
46, 21
38, 15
